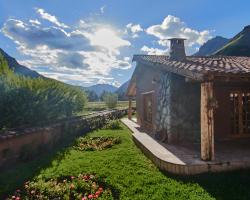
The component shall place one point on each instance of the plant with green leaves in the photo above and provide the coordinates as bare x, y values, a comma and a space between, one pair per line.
111, 100
28, 102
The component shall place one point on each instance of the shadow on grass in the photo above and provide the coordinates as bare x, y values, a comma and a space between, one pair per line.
15, 177
234, 185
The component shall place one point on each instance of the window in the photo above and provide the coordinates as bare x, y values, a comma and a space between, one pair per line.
240, 113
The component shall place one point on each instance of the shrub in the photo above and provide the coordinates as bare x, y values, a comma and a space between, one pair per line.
83, 187
96, 143
27, 101
114, 125
111, 100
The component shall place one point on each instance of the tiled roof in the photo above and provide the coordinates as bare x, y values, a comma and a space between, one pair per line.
200, 65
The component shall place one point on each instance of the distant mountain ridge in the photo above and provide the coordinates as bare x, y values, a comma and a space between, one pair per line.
121, 91
239, 45
212, 46
17, 68
100, 88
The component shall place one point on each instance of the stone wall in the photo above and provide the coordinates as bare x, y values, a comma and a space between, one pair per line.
185, 109
23, 145
178, 109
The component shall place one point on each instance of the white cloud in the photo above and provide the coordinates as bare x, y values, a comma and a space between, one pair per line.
102, 9
81, 55
173, 27
49, 17
34, 22
154, 51
133, 29
107, 38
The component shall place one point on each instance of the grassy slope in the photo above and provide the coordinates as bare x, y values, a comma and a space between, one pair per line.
238, 46
130, 173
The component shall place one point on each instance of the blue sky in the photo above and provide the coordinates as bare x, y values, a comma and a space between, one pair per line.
84, 42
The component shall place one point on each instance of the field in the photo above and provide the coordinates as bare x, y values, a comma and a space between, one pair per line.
100, 106
129, 172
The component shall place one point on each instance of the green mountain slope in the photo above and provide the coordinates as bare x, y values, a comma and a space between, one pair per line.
211, 46
17, 68
239, 45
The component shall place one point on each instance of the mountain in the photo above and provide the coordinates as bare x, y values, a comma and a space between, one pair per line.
211, 46
17, 68
121, 91
239, 45
100, 88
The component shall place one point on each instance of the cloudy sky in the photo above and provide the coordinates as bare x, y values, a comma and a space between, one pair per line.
84, 42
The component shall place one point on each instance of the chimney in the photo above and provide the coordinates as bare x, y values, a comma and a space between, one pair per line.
177, 49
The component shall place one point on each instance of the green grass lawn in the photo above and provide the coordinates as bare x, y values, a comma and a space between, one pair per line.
129, 172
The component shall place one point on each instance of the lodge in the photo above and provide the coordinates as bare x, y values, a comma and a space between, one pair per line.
193, 101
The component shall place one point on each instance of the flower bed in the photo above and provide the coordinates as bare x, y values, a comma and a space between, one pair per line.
96, 143
83, 187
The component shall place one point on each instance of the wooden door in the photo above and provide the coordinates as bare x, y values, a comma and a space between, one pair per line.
148, 110
240, 113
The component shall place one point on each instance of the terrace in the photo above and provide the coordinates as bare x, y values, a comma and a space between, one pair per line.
185, 159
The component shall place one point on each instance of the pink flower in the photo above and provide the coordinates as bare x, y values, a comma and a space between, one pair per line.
91, 196
13, 197
17, 198
85, 177
72, 177
100, 189
84, 198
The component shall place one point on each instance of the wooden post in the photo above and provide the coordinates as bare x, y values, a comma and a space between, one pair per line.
130, 108
207, 121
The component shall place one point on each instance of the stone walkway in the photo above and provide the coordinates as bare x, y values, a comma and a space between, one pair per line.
179, 159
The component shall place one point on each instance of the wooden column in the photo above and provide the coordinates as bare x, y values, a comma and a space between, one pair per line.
130, 108
207, 121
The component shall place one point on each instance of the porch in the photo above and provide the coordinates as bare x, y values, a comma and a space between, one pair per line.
185, 159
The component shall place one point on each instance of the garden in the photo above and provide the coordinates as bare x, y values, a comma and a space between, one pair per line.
106, 164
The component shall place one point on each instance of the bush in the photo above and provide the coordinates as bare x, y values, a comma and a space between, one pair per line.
114, 125
27, 101
111, 100
83, 187
96, 143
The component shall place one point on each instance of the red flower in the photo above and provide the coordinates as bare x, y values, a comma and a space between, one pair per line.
100, 189
98, 193
85, 177
17, 198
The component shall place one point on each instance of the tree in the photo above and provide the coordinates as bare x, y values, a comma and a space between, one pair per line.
92, 96
111, 100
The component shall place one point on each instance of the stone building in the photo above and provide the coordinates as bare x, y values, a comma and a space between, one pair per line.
187, 99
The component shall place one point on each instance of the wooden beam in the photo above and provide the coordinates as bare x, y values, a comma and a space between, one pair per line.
130, 108
240, 109
207, 121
